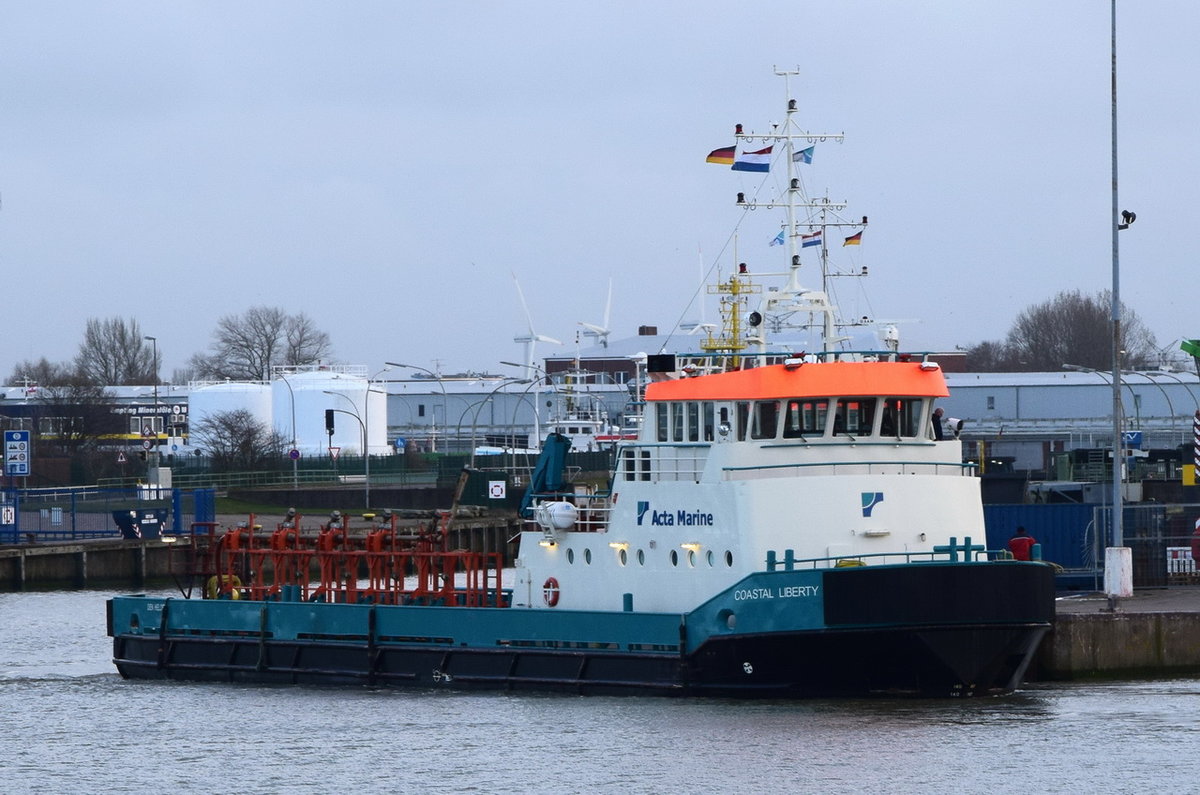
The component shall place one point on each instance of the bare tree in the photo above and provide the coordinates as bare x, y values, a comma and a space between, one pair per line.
31, 374
70, 417
235, 441
989, 357
114, 352
246, 346
1071, 328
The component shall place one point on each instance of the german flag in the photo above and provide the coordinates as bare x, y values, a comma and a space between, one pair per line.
723, 156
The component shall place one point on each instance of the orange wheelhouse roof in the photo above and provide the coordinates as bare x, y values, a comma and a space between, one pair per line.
814, 379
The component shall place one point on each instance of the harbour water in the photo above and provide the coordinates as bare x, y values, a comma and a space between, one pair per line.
69, 723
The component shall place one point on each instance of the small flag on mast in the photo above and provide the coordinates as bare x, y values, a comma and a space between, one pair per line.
804, 155
753, 161
810, 240
854, 239
778, 239
723, 155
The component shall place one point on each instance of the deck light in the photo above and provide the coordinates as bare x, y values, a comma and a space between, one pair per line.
929, 366
619, 544
546, 542
690, 546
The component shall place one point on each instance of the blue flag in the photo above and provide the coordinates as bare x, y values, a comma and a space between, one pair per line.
778, 241
804, 155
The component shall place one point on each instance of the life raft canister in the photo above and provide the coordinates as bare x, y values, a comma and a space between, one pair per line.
550, 591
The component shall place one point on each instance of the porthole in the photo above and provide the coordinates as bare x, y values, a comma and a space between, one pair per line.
692, 558
674, 558
570, 556
624, 556
641, 558
709, 557
587, 556
728, 558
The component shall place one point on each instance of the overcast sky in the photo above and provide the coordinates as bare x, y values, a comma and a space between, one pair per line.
386, 167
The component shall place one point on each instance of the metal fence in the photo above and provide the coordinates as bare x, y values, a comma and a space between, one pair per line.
1162, 538
78, 514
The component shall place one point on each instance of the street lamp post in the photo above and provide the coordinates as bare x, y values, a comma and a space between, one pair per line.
293, 453
479, 406
363, 425
154, 418
437, 377
366, 426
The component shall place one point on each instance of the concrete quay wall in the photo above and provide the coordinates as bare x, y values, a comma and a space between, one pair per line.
1119, 644
79, 565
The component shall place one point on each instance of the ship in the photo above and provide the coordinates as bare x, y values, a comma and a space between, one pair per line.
787, 523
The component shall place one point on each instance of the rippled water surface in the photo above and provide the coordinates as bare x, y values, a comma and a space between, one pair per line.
68, 723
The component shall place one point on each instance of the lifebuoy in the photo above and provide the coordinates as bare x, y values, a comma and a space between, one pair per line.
550, 591
223, 583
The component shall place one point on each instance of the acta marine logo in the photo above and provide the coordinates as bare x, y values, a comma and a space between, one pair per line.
869, 500
679, 517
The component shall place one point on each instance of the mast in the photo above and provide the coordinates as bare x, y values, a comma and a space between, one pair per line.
794, 296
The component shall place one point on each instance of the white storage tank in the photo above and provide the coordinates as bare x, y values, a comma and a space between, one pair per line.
304, 397
207, 399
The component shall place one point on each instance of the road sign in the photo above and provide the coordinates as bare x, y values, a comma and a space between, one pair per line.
333, 452
294, 454
147, 444
120, 458
1131, 439
17, 453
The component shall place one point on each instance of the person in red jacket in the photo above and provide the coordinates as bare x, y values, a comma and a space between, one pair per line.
1021, 544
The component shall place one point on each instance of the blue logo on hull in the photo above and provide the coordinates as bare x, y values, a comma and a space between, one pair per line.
869, 500
643, 507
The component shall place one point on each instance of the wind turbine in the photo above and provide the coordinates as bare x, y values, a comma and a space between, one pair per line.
530, 338
601, 332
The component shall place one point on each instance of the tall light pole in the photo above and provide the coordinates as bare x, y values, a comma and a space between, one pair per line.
154, 418
437, 377
1118, 537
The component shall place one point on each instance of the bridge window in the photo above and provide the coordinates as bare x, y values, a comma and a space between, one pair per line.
901, 417
693, 422
766, 419
805, 417
853, 416
743, 420
677, 422
661, 412
707, 409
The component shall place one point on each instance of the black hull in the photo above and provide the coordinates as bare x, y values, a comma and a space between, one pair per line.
929, 662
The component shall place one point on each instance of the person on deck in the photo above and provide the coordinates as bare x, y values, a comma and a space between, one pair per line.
1021, 544
938, 433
